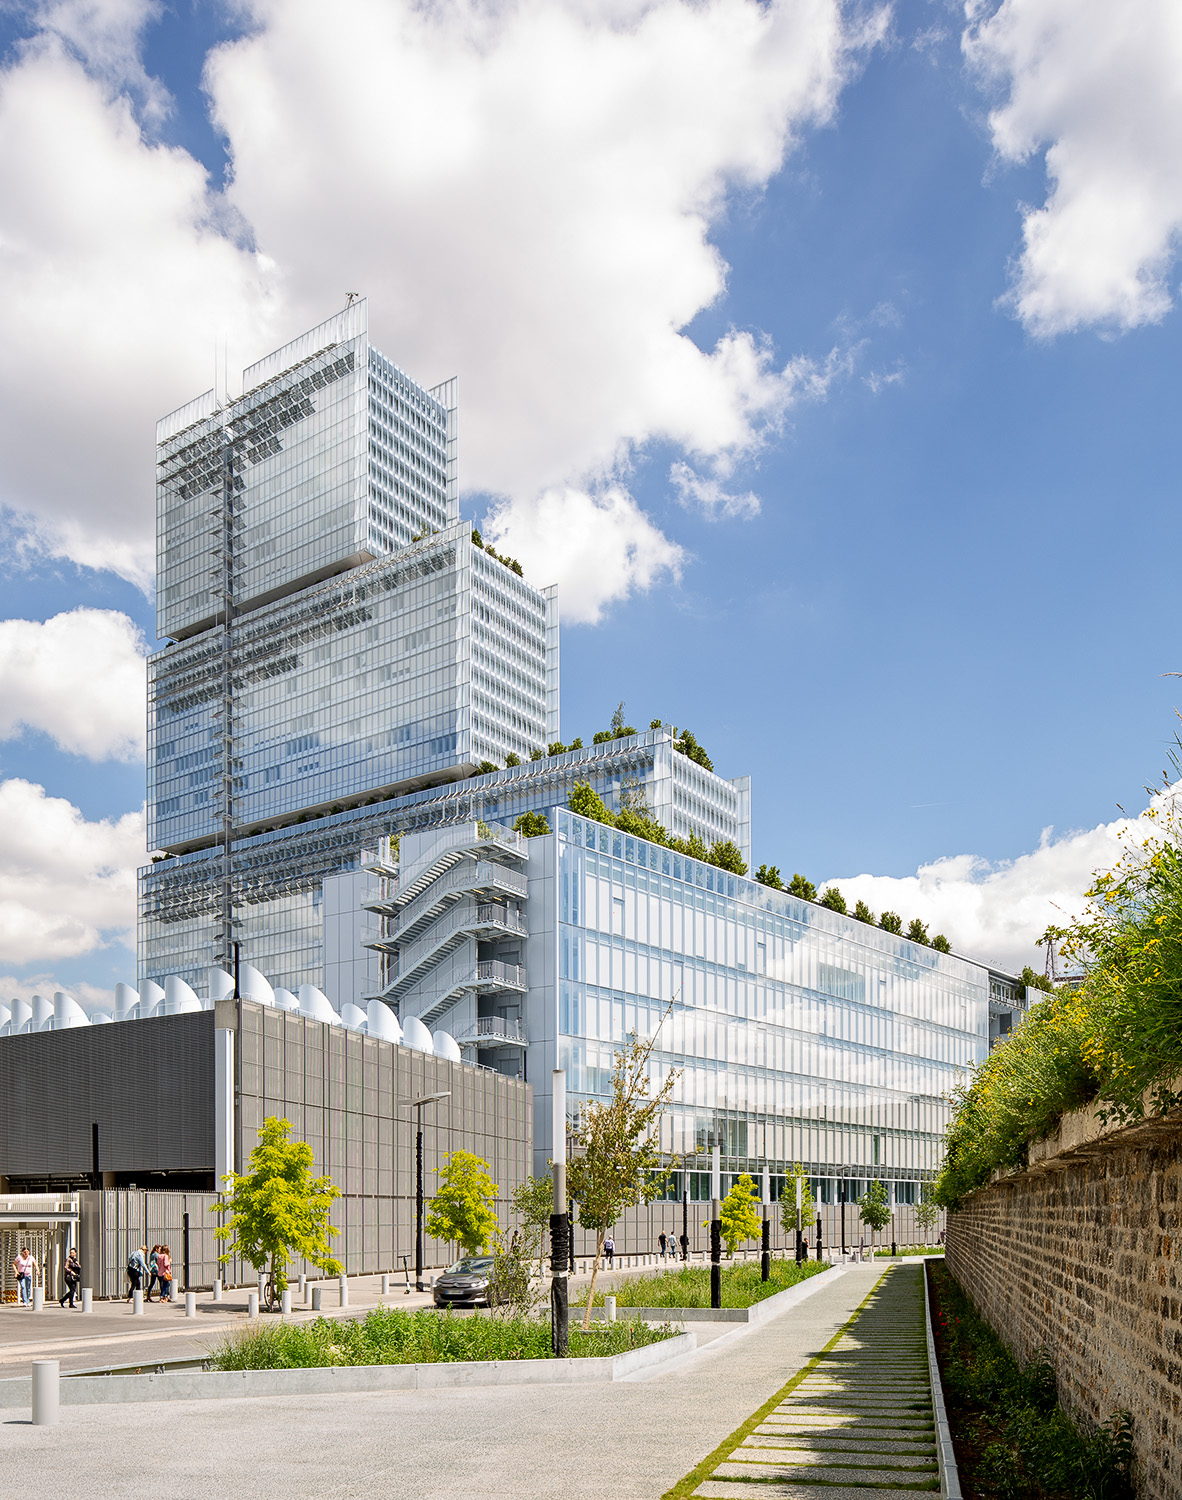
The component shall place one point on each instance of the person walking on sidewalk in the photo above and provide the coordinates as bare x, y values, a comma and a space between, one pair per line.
153, 1272
137, 1270
73, 1276
24, 1268
663, 1242
164, 1272
609, 1249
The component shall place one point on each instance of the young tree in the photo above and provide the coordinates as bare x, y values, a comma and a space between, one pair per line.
278, 1209
536, 753
769, 875
587, 802
725, 853
740, 1214
891, 921
556, 747
833, 899
531, 824
462, 1208
512, 759
654, 723
875, 1207
804, 889
808, 1208
927, 1211
941, 944
617, 1161
917, 932
862, 913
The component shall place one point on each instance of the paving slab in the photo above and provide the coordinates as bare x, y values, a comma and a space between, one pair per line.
630, 1441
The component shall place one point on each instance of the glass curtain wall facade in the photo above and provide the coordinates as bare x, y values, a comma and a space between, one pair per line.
413, 667
801, 1035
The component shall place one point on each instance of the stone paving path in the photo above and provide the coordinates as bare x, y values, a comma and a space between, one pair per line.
856, 1424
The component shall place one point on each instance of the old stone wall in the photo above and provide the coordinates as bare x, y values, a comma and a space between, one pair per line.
1080, 1255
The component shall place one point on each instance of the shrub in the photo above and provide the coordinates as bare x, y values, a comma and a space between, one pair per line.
769, 875
862, 913
805, 889
556, 748
485, 767
536, 754
725, 853
941, 944
891, 921
833, 899
917, 932
531, 824
512, 760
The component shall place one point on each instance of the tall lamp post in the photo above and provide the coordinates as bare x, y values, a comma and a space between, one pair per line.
417, 1106
716, 1228
559, 1227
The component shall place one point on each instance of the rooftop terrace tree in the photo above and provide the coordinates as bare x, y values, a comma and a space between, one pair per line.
802, 888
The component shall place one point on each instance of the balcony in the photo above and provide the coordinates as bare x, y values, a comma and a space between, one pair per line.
491, 974
494, 1031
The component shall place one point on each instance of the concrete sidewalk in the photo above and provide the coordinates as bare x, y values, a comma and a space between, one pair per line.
633, 1439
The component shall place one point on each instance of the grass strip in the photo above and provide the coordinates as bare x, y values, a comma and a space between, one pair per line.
396, 1336
698, 1475
689, 1286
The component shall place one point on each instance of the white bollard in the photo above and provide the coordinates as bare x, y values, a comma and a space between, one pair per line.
46, 1392
610, 1306
87, 1298
303, 1287
39, 1303
385, 1286
190, 1304
137, 1303
317, 1296
252, 1304
217, 1289
344, 1291
285, 1301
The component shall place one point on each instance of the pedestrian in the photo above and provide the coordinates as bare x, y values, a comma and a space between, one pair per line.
153, 1273
137, 1270
73, 1277
24, 1268
164, 1272
609, 1249
684, 1242
663, 1242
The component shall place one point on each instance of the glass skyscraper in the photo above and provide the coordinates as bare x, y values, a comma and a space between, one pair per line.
347, 663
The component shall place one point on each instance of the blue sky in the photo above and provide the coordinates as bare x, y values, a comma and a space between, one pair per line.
933, 620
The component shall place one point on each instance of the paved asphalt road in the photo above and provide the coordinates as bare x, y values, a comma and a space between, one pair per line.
631, 1439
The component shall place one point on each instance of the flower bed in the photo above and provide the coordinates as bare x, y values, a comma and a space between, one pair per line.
1012, 1440
395, 1337
690, 1285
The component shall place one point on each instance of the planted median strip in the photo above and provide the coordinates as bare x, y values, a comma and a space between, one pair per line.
690, 1285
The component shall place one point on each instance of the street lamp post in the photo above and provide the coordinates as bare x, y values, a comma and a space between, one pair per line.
716, 1229
801, 1253
559, 1228
417, 1106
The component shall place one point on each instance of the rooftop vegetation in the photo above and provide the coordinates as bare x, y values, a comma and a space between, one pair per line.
1114, 1042
510, 562
833, 900
587, 802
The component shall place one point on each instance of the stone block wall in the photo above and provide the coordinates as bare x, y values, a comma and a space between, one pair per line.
1082, 1255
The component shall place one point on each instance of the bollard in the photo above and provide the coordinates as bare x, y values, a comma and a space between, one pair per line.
252, 1304
46, 1392
39, 1303
610, 1306
87, 1298
285, 1301
303, 1287
344, 1292
137, 1303
317, 1294
385, 1286
217, 1289
190, 1304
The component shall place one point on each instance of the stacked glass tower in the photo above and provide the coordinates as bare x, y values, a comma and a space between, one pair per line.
347, 662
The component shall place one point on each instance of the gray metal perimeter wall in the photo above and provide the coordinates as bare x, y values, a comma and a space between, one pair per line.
148, 1084
348, 1096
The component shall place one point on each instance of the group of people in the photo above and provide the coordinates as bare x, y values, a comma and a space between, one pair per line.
26, 1270
146, 1270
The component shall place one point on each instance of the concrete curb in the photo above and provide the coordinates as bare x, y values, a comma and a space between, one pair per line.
760, 1312
945, 1453
197, 1385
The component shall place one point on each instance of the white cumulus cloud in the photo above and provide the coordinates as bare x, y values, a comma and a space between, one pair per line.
1099, 87
67, 885
706, 494
597, 546
80, 678
998, 911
